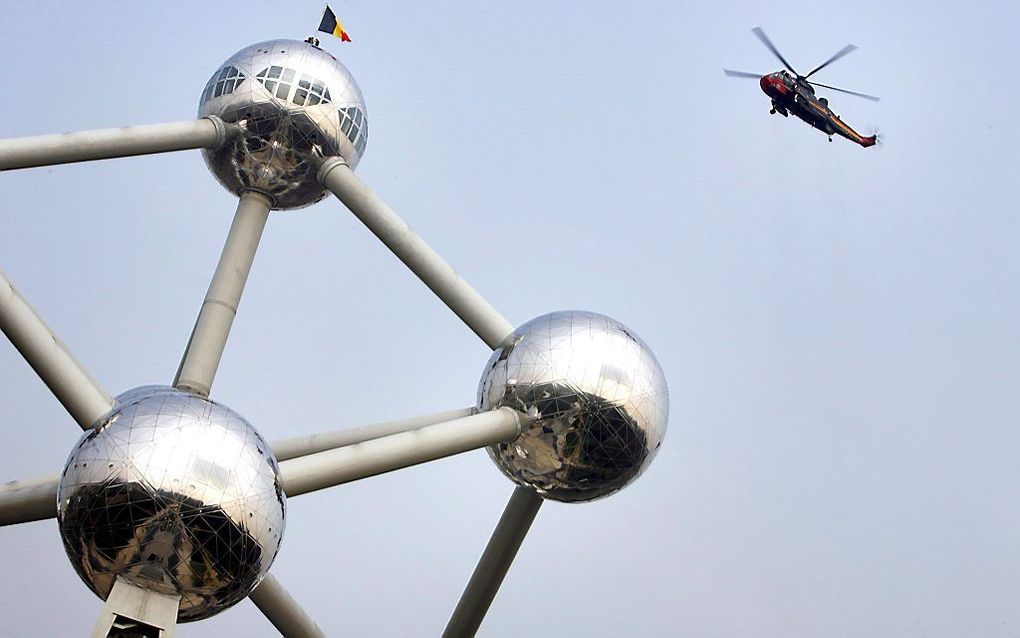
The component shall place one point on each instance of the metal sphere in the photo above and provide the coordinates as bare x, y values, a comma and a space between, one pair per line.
295, 103
597, 398
177, 494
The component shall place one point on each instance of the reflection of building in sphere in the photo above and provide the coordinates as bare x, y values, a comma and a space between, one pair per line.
598, 398
176, 493
295, 103
583, 441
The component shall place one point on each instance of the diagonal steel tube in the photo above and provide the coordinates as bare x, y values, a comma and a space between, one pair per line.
26, 501
282, 610
209, 336
495, 562
69, 381
488, 324
304, 445
411, 249
385, 454
83, 146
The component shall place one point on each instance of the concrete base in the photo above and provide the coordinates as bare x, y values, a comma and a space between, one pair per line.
134, 612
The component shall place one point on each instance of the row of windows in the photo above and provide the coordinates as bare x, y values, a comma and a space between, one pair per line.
310, 91
279, 81
355, 127
222, 83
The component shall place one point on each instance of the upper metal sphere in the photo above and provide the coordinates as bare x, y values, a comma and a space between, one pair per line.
294, 102
177, 494
598, 399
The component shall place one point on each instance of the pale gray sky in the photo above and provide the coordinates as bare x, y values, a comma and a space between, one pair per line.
839, 326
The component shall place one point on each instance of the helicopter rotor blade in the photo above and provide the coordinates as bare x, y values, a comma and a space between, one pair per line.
863, 95
845, 50
743, 74
771, 47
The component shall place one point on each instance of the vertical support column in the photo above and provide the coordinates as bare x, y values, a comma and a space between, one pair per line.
209, 336
132, 611
492, 567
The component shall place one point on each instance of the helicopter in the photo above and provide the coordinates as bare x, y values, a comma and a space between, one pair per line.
791, 92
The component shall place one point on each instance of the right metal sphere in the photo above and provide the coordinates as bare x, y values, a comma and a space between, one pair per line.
597, 398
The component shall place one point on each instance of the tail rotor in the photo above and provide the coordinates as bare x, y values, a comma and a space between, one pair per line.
877, 135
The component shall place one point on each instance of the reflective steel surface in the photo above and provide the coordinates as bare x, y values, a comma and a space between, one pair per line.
177, 494
599, 399
294, 102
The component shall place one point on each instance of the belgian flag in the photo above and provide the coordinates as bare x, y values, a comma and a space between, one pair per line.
332, 26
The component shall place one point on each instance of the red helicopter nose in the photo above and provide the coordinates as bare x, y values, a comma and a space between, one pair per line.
772, 86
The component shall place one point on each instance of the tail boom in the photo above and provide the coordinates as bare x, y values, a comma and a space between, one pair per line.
841, 128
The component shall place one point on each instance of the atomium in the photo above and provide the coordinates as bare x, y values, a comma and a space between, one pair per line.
295, 104
176, 493
597, 398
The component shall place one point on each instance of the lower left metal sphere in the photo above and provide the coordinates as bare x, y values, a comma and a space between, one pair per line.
177, 494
